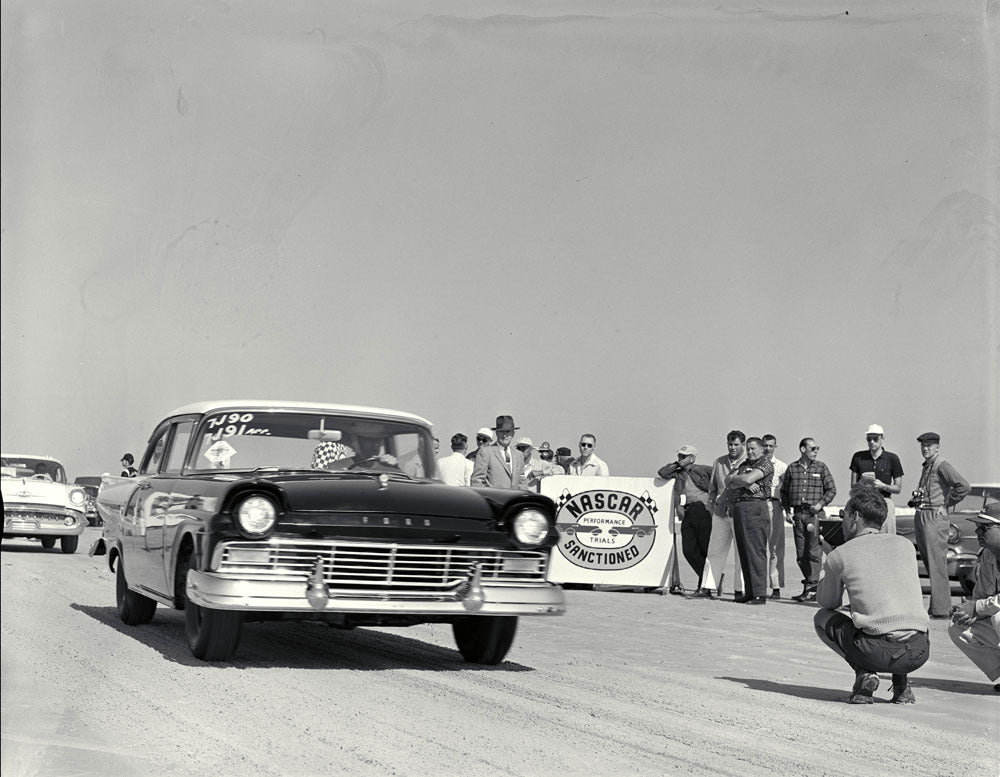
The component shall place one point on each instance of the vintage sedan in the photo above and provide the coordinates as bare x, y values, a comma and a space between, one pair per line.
261, 510
963, 545
39, 504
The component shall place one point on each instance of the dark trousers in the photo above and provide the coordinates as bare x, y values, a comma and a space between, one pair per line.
752, 526
696, 530
867, 653
807, 552
931, 532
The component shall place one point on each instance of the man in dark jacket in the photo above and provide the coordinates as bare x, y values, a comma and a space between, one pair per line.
691, 506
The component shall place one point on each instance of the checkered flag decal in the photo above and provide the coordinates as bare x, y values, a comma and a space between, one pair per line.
328, 452
564, 497
647, 500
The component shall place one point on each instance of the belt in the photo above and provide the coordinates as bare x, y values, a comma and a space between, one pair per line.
898, 636
753, 499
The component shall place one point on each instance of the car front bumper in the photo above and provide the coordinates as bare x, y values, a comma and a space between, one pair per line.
42, 521
213, 591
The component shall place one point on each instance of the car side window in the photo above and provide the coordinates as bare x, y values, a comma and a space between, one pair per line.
151, 465
178, 447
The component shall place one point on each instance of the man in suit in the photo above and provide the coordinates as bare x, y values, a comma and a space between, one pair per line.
498, 465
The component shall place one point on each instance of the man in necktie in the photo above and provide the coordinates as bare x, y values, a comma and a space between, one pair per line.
497, 466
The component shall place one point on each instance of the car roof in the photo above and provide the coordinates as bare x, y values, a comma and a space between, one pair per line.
29, 456
211, 406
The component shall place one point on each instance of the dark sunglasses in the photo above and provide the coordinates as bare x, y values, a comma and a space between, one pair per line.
873, 437
546, 455
522, 448
586, 445
812, 447
484, 439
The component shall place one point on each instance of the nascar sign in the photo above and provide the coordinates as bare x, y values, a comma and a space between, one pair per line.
613, 530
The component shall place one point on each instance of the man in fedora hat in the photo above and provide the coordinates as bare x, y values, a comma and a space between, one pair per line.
497, 466
975, 623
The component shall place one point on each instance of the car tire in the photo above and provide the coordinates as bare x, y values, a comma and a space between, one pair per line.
484, 639
134, 609
213, 635
68, 544
48, 542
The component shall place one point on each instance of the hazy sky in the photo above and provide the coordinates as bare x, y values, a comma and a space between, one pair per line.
653, 222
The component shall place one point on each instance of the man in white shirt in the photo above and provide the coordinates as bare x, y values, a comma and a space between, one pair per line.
776, 546
587, 463
455, 469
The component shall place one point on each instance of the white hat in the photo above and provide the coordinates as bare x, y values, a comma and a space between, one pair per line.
485, 432
524, 441
875, 429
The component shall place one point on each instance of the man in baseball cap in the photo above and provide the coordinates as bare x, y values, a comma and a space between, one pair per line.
690, 505
975, 623
883, 468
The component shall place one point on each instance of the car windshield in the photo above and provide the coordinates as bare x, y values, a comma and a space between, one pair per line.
28, 466
310, 441
978, 497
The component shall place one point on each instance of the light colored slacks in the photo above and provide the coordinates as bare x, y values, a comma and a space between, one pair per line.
981, 643
719, 545
776, 546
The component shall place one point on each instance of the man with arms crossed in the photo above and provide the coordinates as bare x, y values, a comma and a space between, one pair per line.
975, 623
887, 627
883, 468
752, 484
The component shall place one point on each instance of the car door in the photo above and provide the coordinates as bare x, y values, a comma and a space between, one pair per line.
144, 517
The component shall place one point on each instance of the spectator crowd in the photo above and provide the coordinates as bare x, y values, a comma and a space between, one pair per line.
748, 495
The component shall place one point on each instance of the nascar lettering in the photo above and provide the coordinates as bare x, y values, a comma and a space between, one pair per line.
605, 530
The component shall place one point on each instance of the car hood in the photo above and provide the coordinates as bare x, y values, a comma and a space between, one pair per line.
31, 491
365, 493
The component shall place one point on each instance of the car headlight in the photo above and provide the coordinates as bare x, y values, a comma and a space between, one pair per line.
954, 535
256, 515
530, 527
78, 497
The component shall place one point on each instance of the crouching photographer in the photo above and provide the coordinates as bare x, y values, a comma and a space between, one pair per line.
886, 630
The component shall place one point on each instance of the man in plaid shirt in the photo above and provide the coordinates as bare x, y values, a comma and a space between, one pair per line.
808, 487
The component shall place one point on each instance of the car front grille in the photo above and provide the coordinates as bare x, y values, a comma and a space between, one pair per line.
27, 518
377, 566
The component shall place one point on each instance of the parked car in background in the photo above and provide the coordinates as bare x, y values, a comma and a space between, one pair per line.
963, 546
91, 484
39, 504
252, 510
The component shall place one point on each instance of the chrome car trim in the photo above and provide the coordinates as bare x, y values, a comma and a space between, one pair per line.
216, 592
353, 565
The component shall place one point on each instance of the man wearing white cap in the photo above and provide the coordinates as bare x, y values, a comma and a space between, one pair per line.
483, 437
883, 468
975, 623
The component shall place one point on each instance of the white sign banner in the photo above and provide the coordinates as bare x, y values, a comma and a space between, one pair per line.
613, 531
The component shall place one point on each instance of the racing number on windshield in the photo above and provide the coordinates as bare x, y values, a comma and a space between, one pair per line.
234, 425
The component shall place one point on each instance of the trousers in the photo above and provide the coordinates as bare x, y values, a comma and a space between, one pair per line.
931, 533
718, 551
753, 532
871, 653
776, 547
807, 551
696, 532
981, 643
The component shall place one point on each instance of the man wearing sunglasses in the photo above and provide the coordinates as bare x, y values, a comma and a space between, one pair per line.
808, 487
587, 463
483, 437
883, 468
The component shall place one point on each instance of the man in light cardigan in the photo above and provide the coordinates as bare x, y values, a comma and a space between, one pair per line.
886, 630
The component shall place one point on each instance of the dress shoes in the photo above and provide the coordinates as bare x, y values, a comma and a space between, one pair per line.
677, 589
737, 594
756, 600
742, 599
702, 593
808, 594
776, 593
